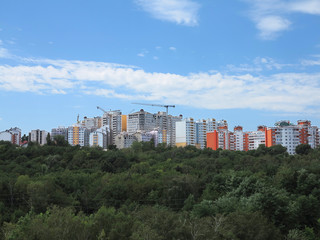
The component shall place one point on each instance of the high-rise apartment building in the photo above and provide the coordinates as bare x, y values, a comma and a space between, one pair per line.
92, 123
284, 133
141, 121
238, 138
254, 139
78, 135
12, 135
125, 139
166, 127
186, 132
220, 138
99, 138
38, 136
116, 122
201, 133
290, 135
190, 132
59, 131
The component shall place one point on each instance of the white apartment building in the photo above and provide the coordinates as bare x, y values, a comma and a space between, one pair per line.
290, 135
255, 138
201, 133
12, 135
125, 139
38, 136
190, 132
238, 138
186, 132
99, 138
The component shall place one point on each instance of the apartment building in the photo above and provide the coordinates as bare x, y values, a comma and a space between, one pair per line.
201, 133
78, 135
62, 131
125, 139
116, 123
12, 135
255, 138
186, 132
166, 126
238, 140
141, 121
99, 138
290, 135
38, 136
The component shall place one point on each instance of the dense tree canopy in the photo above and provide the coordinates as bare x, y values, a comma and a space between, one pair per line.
57, 191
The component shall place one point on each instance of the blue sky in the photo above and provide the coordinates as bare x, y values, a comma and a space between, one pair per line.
250, 62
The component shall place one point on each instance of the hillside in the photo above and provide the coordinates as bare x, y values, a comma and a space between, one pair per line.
61, 192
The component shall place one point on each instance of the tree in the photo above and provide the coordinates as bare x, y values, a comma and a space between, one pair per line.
303, 149
248, 226
112, 147
59, 140
24, 138
49, 142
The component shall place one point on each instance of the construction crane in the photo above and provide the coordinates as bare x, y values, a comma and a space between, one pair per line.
100, 108
167, 114
157, 105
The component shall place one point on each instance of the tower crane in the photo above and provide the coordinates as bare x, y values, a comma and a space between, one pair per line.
100, 108
157, 105
165, 106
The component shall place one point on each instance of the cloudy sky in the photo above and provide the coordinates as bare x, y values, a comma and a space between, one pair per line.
250, 62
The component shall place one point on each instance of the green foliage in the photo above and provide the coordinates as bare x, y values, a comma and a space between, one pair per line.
59, 140
57, 191
303, 149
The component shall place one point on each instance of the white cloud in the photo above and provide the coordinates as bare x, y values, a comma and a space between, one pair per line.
285, 92
4, 53
306, 6
11, 42
270, 26
259, 64
183, 12
155, 58
143, 53
311, 62
172, 48
271, 16
0, 119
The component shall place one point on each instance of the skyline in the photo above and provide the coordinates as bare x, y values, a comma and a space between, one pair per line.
252, 62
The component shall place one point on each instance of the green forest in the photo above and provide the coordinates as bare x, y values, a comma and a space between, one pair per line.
57, 191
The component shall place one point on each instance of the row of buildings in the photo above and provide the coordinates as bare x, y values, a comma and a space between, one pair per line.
214, 135
114, 128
